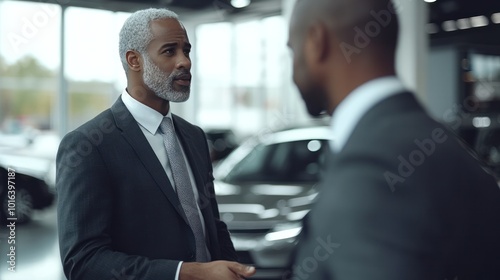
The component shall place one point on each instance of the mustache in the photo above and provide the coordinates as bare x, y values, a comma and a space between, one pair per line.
181, 75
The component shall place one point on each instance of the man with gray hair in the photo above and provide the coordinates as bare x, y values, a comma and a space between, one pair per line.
135, 187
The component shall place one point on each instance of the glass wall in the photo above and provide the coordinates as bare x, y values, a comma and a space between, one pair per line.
30, 52
243, 72
29, 63
214, 75
93, 69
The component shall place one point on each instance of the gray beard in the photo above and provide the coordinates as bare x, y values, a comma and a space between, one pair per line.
161, 84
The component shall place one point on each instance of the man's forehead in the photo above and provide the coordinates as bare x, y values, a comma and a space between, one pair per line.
163, 28
166, 25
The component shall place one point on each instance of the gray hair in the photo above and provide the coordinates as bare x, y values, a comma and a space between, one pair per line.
136, 31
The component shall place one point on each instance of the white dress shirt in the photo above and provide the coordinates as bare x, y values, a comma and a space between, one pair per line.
149, 121
348, 113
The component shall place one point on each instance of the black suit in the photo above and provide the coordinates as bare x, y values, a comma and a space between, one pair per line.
395, 206
118, 214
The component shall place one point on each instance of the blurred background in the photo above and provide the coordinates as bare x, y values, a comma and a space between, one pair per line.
59, 67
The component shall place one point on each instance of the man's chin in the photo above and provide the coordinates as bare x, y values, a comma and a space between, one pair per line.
175, 97
184, 99
179, 97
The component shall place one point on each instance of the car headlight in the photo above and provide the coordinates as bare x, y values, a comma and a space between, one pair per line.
284, 231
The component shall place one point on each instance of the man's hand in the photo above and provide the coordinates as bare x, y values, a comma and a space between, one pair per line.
218, 270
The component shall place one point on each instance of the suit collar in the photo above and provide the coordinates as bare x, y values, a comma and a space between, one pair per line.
146, 116
350, 111
380, 116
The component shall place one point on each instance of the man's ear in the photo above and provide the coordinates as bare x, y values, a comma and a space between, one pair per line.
317, 44
134, 61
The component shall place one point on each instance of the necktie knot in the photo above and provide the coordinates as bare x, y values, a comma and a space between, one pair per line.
166, 126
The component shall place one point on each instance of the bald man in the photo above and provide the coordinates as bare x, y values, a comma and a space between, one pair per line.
401, 197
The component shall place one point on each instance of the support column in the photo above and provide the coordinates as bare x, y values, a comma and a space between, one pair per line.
413, 47
293, 109
61, 116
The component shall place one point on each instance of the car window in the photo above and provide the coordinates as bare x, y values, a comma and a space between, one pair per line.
288, 162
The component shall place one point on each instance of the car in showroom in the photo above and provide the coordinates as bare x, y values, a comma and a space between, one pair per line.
221, 142
27, 169
264, 188
28, 193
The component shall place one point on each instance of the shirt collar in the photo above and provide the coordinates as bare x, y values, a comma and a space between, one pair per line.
348, 113
146, 116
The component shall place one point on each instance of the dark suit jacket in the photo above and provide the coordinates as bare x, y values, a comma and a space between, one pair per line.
118, 214
402, 200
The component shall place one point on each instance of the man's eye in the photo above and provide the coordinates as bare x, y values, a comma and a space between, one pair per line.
187, 52
169, 51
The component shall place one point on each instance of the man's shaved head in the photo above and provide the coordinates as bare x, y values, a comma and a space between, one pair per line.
338, 45
346, 17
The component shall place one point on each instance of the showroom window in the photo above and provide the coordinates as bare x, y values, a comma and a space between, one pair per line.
93, 70
29, 63
243, 72
214, 75
32, 88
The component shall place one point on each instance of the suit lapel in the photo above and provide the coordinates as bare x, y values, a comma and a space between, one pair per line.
131, 131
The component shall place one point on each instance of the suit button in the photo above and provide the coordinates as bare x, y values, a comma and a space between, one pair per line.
191, 256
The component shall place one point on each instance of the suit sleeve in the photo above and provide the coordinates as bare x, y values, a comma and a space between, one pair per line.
226, 245
84, 212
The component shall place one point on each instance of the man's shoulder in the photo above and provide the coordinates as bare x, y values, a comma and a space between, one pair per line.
105, 118
103, 123
183, 124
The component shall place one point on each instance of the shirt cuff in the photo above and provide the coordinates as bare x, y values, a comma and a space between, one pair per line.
178, 270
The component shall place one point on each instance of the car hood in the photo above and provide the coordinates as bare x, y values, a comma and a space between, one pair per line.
260, 207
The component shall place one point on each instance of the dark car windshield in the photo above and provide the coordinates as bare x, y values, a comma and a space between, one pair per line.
287, 162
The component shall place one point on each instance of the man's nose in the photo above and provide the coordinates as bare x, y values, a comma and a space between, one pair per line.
184, 62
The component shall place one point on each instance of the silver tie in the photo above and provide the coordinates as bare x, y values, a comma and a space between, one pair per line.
184, 188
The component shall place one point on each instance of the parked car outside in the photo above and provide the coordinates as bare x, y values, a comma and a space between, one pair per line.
264, 188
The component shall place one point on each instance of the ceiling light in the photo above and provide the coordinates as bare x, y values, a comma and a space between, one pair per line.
449, 25
495, 18
430, 1
479, 21
240, 3
463, 23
